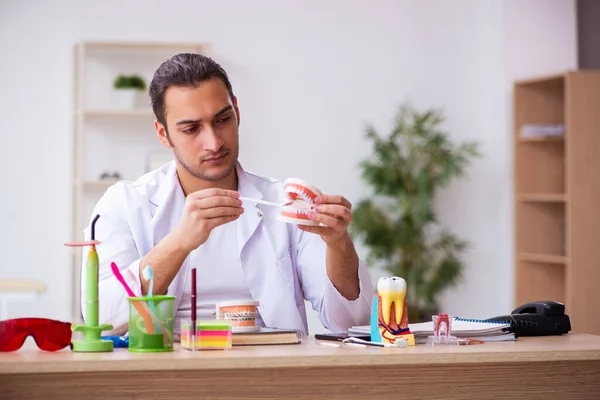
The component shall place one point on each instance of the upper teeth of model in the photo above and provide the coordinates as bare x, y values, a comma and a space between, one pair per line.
299, 192
392, 291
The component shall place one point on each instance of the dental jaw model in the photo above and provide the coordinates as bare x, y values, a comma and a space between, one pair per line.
302, 195
389, 315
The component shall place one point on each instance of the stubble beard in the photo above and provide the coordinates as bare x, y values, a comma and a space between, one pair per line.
196, 172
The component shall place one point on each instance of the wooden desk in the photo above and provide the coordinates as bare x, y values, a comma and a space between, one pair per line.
530, 368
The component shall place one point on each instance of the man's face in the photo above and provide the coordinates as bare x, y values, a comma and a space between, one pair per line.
202, 125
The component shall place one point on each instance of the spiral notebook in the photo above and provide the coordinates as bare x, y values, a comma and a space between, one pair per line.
487, 331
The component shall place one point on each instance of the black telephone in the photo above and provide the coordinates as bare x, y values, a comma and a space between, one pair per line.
537, 318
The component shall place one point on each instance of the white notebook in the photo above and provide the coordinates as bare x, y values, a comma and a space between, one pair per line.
460, 327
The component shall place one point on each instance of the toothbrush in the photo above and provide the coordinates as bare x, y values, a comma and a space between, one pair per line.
267, 203
149, 276
136, 304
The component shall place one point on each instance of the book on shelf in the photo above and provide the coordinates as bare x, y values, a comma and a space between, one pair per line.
542, 130
486, 331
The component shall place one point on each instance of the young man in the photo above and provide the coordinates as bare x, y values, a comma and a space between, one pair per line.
188, 214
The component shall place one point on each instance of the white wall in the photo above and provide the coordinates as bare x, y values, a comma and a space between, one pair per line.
523, 39
309, 75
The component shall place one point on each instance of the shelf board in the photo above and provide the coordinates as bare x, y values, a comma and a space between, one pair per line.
98, 184
541, 79
543, 258
541, 139
542, 197
100, 45
142, 112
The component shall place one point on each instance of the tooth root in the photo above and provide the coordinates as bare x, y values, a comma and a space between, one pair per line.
386, 306
399, 303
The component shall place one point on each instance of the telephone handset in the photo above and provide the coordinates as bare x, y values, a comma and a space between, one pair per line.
537, 318
547, 308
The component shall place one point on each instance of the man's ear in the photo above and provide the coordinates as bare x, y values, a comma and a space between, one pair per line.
162, 134
237, 110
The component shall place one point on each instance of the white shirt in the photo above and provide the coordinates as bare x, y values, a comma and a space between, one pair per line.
282, 265
219, 275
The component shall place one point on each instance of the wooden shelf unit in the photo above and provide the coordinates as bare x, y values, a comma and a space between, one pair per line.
557, 195
106, 136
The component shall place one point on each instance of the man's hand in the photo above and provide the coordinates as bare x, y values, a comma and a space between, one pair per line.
203, 211
335, 213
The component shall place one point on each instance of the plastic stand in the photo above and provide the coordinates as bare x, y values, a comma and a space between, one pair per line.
442, 331
92, 339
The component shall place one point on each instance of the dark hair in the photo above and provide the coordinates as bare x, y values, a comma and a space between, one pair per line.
185, 69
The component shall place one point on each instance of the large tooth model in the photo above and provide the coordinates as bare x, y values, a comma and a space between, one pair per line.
389, 315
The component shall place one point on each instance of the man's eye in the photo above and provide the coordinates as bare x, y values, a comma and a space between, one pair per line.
224, 119
191, 129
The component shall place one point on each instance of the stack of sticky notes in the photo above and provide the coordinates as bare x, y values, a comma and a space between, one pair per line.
210, 335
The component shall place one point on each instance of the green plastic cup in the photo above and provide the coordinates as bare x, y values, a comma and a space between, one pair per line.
151, 323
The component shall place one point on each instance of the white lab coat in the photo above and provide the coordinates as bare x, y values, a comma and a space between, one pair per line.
283, 265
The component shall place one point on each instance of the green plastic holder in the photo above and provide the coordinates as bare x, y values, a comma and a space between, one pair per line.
151, 323
92, 341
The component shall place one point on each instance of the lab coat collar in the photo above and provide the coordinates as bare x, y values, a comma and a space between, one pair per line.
245, 185
250, 219
172, 187
168, 187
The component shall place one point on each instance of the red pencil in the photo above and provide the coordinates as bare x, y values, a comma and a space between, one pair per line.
193, 299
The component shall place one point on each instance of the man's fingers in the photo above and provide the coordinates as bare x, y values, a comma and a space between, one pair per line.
333, 199
327, 220
319, 230
214, 201
335, 210
218, 212
213, 192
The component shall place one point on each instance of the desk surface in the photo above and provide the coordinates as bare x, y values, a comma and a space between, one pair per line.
307, 354
546, 360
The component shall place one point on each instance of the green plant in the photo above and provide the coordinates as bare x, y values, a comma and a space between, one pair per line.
129, 82
398, 224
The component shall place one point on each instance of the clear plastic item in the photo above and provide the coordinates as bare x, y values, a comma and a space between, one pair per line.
208, 335
442, 330
151, 323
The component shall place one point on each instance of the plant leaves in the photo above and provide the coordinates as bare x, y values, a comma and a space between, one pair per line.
406, 169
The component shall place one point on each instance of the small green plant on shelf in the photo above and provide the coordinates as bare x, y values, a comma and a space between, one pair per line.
398, 223
128, 89
129, 82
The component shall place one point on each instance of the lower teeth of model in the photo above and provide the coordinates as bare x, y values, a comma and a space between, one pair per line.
297, 210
